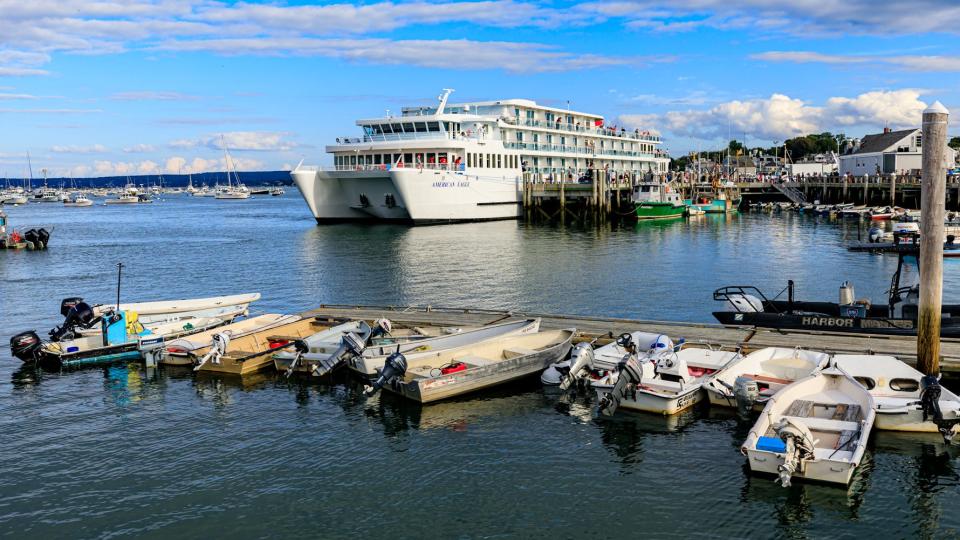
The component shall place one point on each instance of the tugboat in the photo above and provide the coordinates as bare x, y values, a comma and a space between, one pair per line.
657, 201
748, 306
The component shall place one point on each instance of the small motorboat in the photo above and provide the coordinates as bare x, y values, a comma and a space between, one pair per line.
814, 429
882, 213
119, 336
78, 200
174, 310
748, 306
369, 360
750, 381
905, 399
484, 364
666, 383
31, 239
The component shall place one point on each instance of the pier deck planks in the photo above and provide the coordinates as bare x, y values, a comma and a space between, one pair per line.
905, 348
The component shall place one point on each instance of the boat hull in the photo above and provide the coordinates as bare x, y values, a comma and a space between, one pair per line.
409, 195
950, 327
655, 403
832, 472
653, 210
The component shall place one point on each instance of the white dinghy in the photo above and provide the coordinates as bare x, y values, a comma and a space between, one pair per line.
905, 399
175, 310
814, 429
666, 383
753, 379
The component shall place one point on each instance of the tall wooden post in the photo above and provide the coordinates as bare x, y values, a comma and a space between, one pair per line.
932, 202
893, 190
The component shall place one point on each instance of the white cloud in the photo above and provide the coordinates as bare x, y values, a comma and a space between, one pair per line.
260, 141
780, 117
447, 54
175, 165
74, 149
147, 167
906, 62
139, 149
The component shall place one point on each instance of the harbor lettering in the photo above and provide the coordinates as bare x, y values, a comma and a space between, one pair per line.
827, 321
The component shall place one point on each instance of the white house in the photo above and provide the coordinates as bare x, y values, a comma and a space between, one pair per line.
889, 152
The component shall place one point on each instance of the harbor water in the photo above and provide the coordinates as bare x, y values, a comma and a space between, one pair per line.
120, 451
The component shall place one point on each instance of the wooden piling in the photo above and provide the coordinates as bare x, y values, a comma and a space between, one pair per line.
932, 202
893, 190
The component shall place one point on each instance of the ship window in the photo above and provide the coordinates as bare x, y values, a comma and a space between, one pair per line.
353, 160
645, 189
421, 127
408, 158
866, 382
434, 126
407, 128
377, 159
418, 159
499, 163
904, 385
431, 158
536, 137
470, 159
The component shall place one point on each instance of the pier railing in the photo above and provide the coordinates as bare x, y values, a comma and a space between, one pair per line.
586, 130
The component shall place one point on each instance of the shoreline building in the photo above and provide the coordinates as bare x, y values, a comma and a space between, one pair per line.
890, 152
466, 161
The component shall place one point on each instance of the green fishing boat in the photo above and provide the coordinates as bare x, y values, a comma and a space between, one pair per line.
657, 201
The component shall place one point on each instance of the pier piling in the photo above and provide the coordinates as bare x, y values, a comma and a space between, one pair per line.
932, 201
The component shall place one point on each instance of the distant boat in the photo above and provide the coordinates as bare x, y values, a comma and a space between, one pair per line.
277, 191
78, 200
231, 191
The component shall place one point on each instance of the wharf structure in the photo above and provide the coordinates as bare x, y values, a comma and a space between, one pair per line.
605, 329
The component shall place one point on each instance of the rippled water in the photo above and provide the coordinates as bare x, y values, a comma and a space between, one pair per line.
124, 450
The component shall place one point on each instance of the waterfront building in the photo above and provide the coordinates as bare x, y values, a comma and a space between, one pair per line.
815, 165
467, 161
890, 152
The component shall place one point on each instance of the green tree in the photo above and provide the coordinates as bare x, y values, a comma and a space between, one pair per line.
954, 143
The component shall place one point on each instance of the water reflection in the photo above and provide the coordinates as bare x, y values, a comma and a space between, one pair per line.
624, 433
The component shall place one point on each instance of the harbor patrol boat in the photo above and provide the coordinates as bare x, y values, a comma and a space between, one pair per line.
466, 161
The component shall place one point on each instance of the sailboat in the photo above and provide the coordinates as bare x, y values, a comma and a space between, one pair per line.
190, 189
231, 191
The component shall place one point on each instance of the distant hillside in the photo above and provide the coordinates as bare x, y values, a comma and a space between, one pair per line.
255, 178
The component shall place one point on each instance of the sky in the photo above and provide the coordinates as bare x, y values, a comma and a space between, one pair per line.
106, 87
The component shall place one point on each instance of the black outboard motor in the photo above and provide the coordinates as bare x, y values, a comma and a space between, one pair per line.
68, 303
79, 316
25, 346
33, 237
44, 236
350, 345
930, 391
394, 367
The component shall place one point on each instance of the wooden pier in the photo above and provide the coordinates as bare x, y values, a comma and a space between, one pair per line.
606, 328
881, 190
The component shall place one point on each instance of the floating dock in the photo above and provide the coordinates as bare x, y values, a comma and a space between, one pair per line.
606, 328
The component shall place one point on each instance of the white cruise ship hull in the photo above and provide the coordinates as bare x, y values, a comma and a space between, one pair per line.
408, 195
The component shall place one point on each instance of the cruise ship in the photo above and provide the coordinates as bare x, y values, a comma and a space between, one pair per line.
466, 161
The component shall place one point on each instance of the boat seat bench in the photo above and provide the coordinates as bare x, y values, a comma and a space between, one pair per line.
825, 424
513, 352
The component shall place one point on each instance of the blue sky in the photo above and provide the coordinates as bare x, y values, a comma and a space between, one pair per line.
133, 87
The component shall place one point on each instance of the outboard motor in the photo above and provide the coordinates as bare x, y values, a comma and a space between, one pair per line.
581, 362
629, 373
875, 234
43, 236
33, 237
25, 346
930, 391
300, 348
555, 373
381, 327
79, 316
746, 391
394, 367
68, 303
350, 345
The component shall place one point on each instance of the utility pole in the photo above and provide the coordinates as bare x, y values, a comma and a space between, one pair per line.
932, 202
